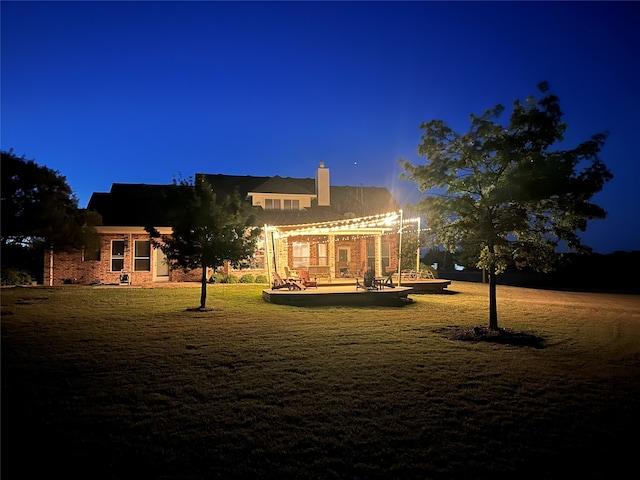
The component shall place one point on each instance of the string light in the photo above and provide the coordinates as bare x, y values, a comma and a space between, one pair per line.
353, 227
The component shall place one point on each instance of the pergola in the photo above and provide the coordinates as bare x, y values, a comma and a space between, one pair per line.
276, 255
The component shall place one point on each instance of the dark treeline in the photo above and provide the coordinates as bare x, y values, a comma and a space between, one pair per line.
614, 272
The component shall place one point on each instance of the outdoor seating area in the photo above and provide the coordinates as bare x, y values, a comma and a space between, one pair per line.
294, 280
298, 288
371, 282
304, 291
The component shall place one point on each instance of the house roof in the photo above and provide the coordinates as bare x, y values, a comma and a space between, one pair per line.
131, 204
142, 204
281, 185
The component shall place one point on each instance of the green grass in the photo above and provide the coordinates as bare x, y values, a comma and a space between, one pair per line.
120, 382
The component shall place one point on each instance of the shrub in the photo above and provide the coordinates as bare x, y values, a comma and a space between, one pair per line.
246, 278
261, 279
11, 276
217, 278
231, 279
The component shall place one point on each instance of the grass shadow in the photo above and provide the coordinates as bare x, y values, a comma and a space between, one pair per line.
502, 336
205, 309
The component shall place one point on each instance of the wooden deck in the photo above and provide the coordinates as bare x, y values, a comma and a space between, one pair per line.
339, 295
427, 285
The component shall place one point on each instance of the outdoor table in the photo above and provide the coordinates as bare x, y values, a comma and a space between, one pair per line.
381, 282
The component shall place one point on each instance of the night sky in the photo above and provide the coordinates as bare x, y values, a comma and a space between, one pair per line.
145, 92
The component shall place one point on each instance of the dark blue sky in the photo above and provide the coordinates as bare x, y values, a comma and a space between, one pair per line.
142, 92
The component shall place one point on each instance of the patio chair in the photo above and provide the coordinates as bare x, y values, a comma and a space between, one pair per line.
291, 274
388, 282
306, 280
278, 283
368, 281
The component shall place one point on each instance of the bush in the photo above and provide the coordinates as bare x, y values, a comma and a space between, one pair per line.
231, 279
246, 278
261, 279
217, 278
11, 276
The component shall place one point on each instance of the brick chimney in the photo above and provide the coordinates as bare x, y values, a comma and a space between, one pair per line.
323, 190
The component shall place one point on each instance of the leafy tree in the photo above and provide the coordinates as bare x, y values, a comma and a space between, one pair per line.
39, 209
207, 230
505, 194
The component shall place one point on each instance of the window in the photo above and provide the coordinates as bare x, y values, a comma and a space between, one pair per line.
300, 255
279, 204
142, 256
292, 204
117, 255
322, 254
343, 261
371, 255
386, 258
272, 204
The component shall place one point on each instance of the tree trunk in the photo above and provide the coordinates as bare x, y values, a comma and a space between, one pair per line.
493, 304
203, 288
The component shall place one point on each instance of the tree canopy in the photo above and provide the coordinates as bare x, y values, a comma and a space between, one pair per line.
504, 193
207, 229
39, 209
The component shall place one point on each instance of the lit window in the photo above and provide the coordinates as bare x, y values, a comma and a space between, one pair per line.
142, 256
300, 255
322, 254
117, 255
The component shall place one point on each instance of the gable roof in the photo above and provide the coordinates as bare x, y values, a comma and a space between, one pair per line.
281, 185
142, 204
131, 204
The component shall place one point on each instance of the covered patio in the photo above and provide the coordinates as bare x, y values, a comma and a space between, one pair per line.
338, 249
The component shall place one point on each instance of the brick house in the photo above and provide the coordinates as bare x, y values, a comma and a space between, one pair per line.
307, 223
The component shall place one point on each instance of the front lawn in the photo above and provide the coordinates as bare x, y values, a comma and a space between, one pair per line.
124, 382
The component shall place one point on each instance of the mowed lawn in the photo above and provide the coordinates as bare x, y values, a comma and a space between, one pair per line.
126, 382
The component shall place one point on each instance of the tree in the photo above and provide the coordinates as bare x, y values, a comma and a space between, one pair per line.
504, 193
207, 230
39, 209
